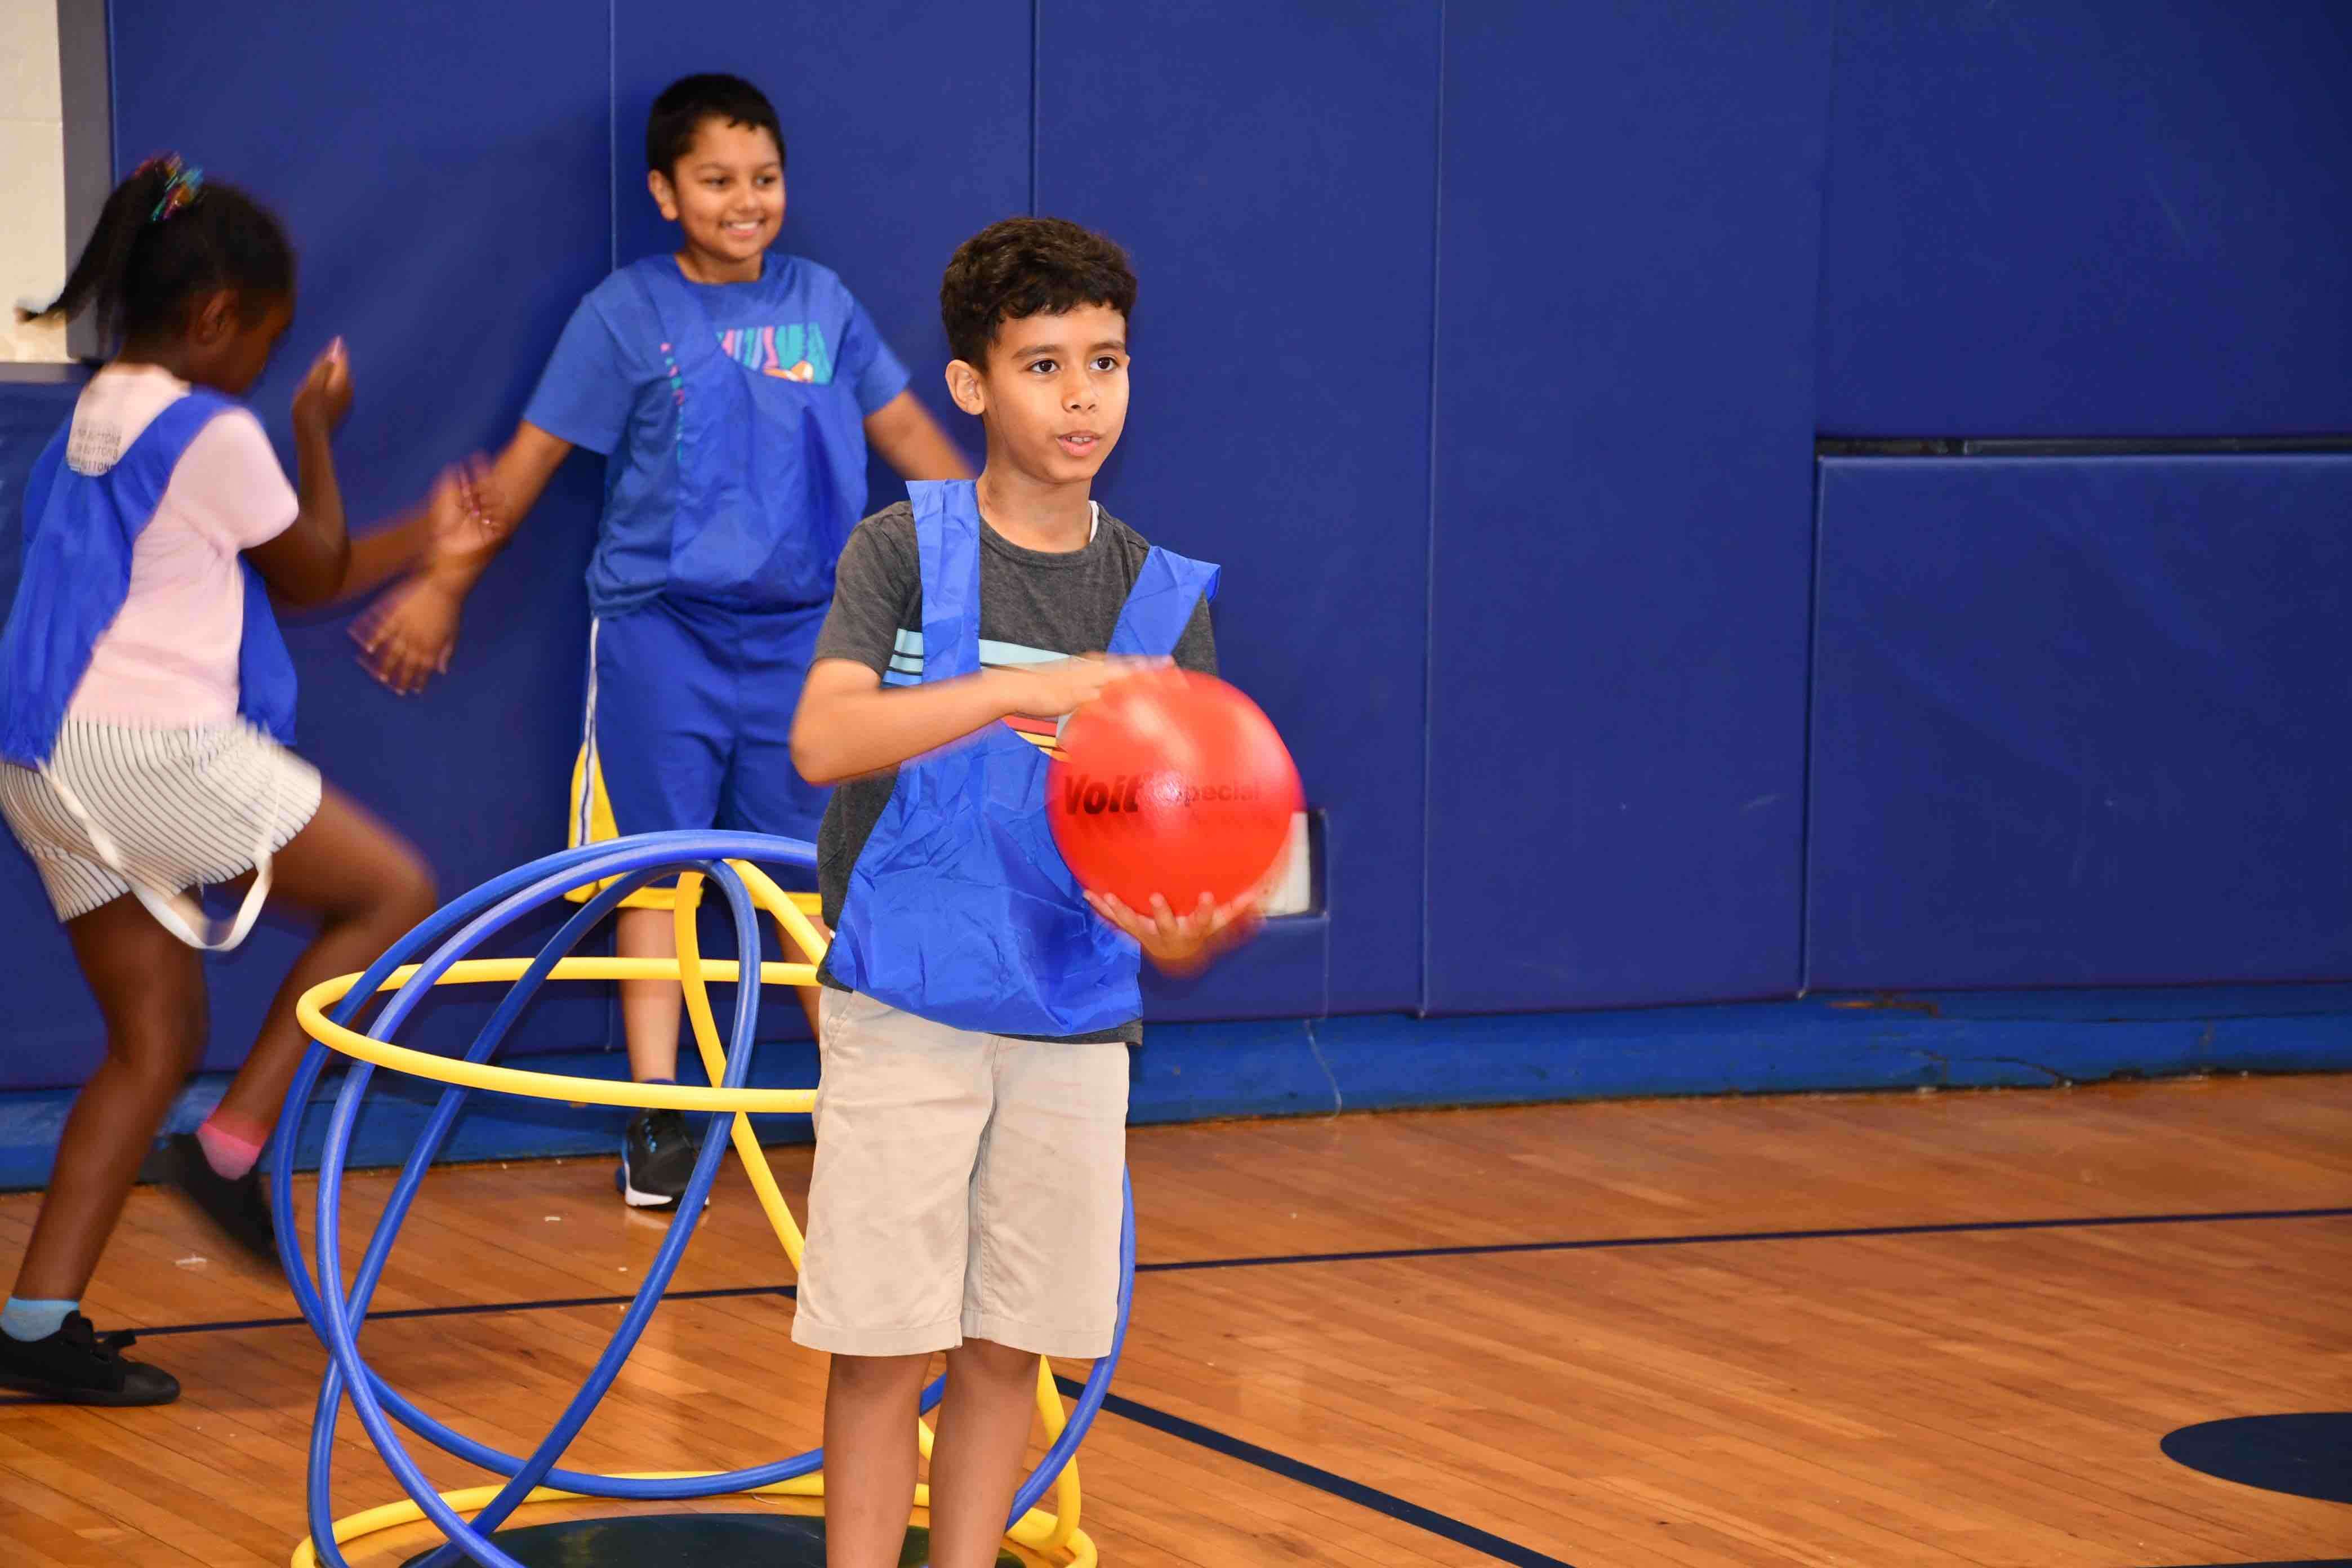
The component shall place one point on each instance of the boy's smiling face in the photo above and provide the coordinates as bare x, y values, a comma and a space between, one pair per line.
727, 192
1053, 393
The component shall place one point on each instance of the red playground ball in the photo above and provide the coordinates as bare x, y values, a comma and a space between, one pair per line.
1174, 784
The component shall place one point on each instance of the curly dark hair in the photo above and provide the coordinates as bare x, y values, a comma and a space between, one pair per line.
678, 113
1028, 267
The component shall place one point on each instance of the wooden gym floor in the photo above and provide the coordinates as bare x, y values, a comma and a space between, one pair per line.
1879, 1330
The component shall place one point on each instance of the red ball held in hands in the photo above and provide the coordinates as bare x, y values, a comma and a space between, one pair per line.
1174, 784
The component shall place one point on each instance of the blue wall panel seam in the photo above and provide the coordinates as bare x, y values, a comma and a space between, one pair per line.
1805, 769
113, 119
1821, 221
1036, 87
1813, 531
1429, 558
612, 132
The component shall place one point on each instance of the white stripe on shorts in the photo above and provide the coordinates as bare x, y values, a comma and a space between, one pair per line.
585, 798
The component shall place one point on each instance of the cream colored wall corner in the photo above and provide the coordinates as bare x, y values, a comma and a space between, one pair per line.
32, 176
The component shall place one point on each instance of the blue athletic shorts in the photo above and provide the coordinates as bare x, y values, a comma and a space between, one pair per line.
688, 722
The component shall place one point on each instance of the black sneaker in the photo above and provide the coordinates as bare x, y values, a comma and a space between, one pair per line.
238, 1207
75, 1366
657, 1160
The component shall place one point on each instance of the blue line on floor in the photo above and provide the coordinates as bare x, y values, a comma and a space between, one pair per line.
1487, 1249
476, 1309
1847, 1233
1323, 1480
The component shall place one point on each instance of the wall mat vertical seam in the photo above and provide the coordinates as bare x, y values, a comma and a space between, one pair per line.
1429, 571
1814, 577
1036, 86
612, 141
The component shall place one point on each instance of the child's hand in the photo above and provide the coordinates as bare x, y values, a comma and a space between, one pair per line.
464, 514
406, 635
325, 395
1186, 943
1050, 691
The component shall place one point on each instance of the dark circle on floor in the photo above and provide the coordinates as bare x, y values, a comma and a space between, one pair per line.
685, 1541
2306, 1455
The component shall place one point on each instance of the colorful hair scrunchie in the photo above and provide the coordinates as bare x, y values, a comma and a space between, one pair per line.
186, 183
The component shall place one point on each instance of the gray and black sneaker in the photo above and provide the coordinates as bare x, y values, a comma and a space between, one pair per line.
657, 1160
78, 1366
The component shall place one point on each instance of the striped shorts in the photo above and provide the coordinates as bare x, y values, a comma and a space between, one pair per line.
182, 807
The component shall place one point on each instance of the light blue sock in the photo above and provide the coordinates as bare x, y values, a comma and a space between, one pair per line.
26, 1320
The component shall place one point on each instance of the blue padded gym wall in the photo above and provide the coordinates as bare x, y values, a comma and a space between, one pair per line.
2088, 217
2081, 722
1486, 346
1631, 205
1271, 167
33, 401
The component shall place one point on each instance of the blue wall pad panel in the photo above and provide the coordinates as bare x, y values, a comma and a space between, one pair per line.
1271, 170
2088, 217
33, 401
906, 130
2081, 721
1624, 431
1188, 1072
1271, 167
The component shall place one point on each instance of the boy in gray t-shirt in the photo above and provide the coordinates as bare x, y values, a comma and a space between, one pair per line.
1035, 608
971, 1115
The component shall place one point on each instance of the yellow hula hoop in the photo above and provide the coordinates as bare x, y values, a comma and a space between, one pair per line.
1046, 1537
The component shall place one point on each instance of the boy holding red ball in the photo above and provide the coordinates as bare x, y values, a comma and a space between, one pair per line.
971, 1114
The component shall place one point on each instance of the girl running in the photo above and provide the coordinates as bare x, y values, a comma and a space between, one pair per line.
146, 700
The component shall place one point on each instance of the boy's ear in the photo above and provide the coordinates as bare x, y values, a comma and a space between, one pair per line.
664, 193
964, 384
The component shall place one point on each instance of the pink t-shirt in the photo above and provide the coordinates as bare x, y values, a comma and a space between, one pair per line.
169, 658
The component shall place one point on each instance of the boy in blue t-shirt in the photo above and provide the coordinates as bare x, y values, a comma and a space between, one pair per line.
733, 391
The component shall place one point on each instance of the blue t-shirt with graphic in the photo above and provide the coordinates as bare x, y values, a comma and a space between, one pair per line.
607, 387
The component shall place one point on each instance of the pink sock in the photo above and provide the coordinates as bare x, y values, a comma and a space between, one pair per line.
231, 1147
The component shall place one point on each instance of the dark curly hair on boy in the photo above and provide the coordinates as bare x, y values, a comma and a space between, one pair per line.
1028, 267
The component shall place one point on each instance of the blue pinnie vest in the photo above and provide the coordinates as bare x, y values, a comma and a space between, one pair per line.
758, 460
960, 909
78, 532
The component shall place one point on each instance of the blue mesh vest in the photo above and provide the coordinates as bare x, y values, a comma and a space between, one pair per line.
960, 909
767, 475
78, 532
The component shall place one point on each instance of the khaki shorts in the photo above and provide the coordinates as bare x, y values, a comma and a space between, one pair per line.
967, 1186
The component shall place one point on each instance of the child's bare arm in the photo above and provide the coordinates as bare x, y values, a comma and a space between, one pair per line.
912, 443
407, 638
307, 563
456, 514
848, 725
517, 478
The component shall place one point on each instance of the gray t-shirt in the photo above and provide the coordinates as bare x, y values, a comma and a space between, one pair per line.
1034, 605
